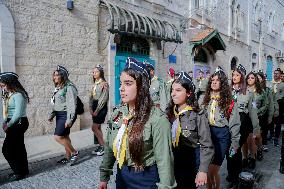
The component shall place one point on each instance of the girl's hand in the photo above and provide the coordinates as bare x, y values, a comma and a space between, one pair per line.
201, 179
5, 127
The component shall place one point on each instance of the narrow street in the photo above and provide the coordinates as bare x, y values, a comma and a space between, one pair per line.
85, 174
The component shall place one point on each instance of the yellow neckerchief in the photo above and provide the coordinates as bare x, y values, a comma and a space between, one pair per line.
5, 106
95, 86
119, 143
154, 78
275, 85
170, 81
213, 107
200, 81
176, 131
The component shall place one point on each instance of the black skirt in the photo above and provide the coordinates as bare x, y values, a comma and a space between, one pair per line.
60, 130
100, 117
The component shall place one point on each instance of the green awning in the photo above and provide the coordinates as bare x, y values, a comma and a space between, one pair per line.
208, 36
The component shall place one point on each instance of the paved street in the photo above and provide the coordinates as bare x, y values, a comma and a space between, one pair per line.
85, 174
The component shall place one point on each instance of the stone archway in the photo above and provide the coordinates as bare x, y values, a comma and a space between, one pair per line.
7, 46
7, 40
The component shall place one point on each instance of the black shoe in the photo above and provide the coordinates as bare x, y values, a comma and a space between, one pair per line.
275, 142
63, 161
74, 158
259, 155
100, 151
245, 163
251, 163
16, 177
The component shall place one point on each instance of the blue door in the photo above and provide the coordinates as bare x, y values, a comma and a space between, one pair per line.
269, 68
120, 61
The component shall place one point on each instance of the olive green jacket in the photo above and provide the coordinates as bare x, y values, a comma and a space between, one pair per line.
157, 146
278, 93
233, 122
196, 125
158, 93
270, 103
244, 102
65, 100
101, 94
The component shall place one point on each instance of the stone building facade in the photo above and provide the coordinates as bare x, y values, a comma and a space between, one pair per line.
36, 36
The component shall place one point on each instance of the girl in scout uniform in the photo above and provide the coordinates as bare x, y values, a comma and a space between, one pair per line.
98, 105
15, 99
278, 94
157, 89
64, 101
266, 118
254, 139
224, 122
138, 137
193, 148
249, 122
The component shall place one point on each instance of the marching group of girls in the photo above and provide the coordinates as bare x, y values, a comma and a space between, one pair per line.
184, 145
179, 144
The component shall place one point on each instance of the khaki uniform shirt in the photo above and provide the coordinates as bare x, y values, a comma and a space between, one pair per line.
278, 93
100, 92
65, 99
158, 92
244, 103
157, 146
196, 133
233, 122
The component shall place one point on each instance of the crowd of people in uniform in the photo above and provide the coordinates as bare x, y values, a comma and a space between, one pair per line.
173, 134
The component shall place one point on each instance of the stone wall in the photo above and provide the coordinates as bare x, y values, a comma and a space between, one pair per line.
47, 35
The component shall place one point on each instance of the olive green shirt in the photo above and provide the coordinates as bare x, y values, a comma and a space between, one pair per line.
196, 133
244, 103
233, 122
65, 99
100, 92
157, 146
158, 92
259, 101
168, 89
278, 93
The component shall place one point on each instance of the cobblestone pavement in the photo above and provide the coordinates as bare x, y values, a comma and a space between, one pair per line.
85, 174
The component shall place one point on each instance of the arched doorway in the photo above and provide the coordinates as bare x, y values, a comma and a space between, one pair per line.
201, 62
129, 46
269, 67
7, 46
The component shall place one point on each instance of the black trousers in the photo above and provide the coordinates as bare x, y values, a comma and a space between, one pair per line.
14, 149
234, 163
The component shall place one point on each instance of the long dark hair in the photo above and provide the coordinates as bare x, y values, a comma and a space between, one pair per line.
263, 83
143, 105
258, 88
102, 73
225, 92
14, 85
191, 100
242, 83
